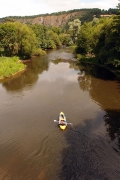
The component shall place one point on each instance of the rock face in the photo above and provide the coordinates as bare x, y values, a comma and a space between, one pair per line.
55, 20
49, 20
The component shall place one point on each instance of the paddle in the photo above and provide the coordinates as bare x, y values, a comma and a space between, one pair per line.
58, 122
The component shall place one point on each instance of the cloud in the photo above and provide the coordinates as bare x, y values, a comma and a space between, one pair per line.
22, 8
66, 73
35, 7
78, 4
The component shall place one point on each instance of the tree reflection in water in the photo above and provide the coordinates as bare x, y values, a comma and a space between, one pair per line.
90, 156
103, 89
112, 123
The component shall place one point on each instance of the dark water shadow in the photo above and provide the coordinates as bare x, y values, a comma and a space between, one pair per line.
118, 82
112, 123
98, 71
90, 156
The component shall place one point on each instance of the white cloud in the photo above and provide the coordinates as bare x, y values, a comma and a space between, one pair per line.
21, 8
78, 4
35, 7
66, 73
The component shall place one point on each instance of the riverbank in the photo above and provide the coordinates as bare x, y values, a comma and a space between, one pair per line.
94, 61
10, 66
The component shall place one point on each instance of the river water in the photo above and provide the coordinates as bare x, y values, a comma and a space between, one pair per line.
32, 147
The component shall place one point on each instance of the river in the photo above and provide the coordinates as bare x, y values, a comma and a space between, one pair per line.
32, 147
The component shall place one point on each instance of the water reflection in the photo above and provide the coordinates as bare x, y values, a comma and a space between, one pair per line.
106, 94
59, 73
72, 64
98, 71
31, 144
112, 123
62, 53
88, 156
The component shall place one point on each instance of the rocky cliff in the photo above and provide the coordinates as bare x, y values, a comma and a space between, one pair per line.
49, 20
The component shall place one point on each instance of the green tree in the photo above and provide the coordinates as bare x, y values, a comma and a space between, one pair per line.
85, 40
27, 40
74, 29
89, 15
54, 37
56, 30
47, 37
39, 32
8, 38
107, 48
17, 39
65, 39
41, 35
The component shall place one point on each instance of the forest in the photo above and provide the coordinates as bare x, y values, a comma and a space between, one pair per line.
95, 38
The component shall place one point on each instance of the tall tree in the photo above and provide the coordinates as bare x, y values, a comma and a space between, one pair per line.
74, 28
8, 38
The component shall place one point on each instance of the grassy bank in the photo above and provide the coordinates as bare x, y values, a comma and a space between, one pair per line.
9, 66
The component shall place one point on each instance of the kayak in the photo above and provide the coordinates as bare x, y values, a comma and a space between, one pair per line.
62, 121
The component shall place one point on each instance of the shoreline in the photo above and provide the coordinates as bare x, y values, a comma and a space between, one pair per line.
103, 66
12, 75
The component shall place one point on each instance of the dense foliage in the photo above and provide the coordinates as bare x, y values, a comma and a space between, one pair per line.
47, 38
24, 40
101, 38
16, 39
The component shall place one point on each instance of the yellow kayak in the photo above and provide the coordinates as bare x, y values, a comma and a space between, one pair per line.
62, 121
63, 127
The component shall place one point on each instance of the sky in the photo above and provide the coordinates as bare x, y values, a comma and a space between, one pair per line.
36, 7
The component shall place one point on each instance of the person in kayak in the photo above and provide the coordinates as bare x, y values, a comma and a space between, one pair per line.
62, 122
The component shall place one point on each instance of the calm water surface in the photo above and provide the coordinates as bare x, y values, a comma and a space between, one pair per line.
32, 147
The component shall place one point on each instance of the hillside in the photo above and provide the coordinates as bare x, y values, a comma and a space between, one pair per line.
59, 19
54, 19
51, 20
